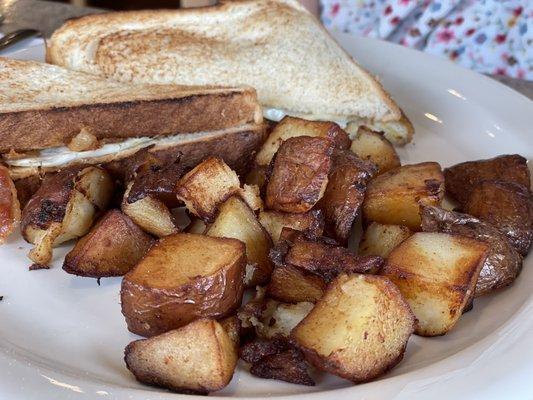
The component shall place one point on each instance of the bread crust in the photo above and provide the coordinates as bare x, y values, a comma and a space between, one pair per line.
38, 129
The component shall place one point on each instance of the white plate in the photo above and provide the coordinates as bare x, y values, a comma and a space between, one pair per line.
62, 337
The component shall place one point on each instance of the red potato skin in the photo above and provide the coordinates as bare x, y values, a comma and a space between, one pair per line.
345, 193
150, 311
48, 204
299, 174
462, 178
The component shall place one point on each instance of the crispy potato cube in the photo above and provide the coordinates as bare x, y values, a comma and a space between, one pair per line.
398, 133
197, 358
274, 222
157, 181
358, 330
437, 274
197, 226
292, 285
507, 206
112, 248
462, 178
345, 193
250, 194
183, 277
290, 127
207, 185
232, 327
64, 208
288, 366
236, 220
9, 205
393, 198
373, 146
257, 176
300, 174
379, 239
328, 261
503, 263
150, 214
279, 319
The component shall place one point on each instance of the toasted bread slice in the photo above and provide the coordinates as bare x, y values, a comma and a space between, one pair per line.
300, 174
50, 105
175, 46
437, 274
9, 205
236, 220
503, 263
197, 358
380, 240
112, 248
274, 222
206, 186
293, 127
373, 146
182, 278
393, 198
358, 330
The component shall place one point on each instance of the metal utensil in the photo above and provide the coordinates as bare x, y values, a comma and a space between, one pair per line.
16, 36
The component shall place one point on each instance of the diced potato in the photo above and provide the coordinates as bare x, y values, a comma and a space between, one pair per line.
394, 198
197, 226
157, 180
150, 214
463, 177
236, 220
250, 194
206, 186
274, 221
397, 132
198, 358
358, 330
507, 206
503, 263
278, 319
183, 277
373, 146
380, 240
288, 366
345, 193
9, 205
437, 274
328, 261
232, 327
257, 176
112, 248
292, 285
300, 174
290, 127
64, 208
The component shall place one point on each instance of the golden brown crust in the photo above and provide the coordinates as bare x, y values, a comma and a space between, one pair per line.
151, 310
38, 129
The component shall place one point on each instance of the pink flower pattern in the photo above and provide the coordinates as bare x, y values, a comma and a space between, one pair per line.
490, 36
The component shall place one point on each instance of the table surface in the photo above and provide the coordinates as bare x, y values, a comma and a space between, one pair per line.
47, 16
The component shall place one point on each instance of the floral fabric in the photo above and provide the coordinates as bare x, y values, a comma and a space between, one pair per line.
489, 36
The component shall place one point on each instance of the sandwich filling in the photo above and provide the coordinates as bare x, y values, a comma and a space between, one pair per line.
61, 156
